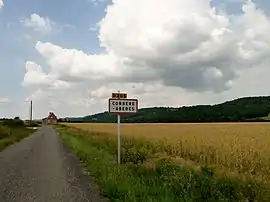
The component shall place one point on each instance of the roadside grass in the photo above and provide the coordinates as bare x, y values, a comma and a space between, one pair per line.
11, 132
162, 180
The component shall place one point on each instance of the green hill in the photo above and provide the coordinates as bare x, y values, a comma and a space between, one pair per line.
242, 109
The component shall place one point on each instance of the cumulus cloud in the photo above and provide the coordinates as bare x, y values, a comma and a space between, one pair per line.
39, 23
184, 43
36, 77
74, 64
162, 44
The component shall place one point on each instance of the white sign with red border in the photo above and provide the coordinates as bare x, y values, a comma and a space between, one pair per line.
123, 106
118, 105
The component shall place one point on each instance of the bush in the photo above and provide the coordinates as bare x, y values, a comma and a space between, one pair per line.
11, 132
13, 123
4, 132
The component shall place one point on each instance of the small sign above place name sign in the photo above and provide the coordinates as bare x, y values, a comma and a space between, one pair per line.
119, 95
123, 106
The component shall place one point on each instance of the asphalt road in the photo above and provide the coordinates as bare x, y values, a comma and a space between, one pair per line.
40, 168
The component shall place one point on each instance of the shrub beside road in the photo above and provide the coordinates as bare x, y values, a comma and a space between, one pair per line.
11, 131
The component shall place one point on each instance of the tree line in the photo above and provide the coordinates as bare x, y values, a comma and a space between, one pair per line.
241, 109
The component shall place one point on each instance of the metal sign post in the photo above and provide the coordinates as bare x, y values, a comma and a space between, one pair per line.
118, 134
120, 105
119, 139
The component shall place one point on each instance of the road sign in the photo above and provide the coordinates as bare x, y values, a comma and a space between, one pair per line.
119, 95
123, 106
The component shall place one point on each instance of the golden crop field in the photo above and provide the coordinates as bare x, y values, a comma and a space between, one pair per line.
241, 149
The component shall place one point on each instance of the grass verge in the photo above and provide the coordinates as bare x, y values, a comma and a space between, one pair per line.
11, 133
161, 182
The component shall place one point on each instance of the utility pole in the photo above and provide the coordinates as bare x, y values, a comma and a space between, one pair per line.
31, 110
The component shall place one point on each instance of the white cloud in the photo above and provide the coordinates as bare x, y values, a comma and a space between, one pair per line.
181, 41
36, 77
1, 4
39, 23
167, 52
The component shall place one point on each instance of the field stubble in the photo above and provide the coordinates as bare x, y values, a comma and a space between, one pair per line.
240, 150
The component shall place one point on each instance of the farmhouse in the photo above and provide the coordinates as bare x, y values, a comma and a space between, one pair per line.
51, 119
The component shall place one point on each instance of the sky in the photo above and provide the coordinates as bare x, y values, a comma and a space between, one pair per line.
69, 56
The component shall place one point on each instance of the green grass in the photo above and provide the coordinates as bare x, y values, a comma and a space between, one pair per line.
11, 134
165, 181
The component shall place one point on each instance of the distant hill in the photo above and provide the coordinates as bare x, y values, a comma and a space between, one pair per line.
242, 109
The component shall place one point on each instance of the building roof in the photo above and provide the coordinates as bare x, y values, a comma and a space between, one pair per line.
52, 116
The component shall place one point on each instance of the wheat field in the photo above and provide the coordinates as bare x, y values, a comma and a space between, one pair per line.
241, 149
